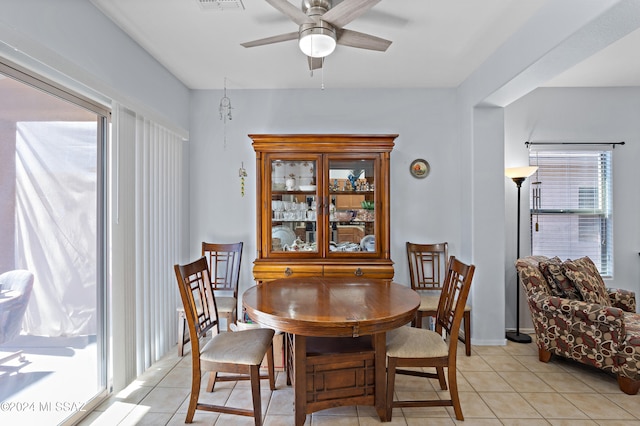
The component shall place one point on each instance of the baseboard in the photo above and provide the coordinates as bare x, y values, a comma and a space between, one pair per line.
499, 342
523, 330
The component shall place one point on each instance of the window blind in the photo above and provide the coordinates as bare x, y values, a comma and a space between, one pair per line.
571, 206
147, 225
159, 214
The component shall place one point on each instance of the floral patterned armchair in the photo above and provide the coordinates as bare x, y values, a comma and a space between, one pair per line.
577, 317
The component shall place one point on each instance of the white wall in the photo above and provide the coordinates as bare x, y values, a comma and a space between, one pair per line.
71, 42
422, 210
601, 114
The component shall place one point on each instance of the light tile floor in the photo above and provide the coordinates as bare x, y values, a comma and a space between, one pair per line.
499, 385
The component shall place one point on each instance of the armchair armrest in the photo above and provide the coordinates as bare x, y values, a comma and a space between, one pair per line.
576, 317
590, 313
623, 299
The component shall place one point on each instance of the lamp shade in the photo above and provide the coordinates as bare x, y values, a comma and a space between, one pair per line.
318, 40
520, 172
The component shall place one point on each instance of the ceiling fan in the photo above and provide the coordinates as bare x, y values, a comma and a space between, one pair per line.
321, 28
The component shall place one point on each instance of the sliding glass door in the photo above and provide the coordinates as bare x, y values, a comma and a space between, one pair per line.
53, 363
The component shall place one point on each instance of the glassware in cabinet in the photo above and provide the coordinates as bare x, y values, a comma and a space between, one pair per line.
293, 206
352, 207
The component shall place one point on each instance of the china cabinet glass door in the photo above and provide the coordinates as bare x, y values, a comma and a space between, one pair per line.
294, 205
352, 207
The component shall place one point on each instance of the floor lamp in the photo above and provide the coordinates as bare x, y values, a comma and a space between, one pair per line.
518, 175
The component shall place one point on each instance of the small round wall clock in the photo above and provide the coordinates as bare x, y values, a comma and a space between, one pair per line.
419, 168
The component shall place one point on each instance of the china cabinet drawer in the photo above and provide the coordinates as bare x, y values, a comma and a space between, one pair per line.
267, 272
368, 271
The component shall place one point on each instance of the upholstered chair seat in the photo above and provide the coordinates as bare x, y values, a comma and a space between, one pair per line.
226, 305
430, 303
411, 342
247, 347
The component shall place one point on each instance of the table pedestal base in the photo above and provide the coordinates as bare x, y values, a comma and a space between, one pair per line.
356, 312
328, 372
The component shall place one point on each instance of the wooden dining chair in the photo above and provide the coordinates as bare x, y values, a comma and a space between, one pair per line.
427, 269
239, 353
224, 270
418, 347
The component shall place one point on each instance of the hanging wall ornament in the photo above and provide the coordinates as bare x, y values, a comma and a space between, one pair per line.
243, 174
225, 112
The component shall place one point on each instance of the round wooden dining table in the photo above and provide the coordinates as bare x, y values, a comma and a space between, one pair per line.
335, 332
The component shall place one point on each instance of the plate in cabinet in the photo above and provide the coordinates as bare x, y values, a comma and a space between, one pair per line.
286, 235
368, 243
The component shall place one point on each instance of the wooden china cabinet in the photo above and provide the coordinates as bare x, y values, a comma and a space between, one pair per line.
322, 206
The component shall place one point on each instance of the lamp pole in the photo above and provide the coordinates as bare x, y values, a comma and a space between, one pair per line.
518, 175
515, 336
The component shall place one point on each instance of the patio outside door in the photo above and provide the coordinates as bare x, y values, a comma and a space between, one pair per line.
51, 224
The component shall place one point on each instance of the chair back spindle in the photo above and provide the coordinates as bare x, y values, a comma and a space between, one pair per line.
197, 298
454, 295
427, 265
224, 265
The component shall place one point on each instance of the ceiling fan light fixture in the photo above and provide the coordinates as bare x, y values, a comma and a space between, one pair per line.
317, 40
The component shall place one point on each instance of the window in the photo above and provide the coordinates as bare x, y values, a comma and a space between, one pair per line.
571, 204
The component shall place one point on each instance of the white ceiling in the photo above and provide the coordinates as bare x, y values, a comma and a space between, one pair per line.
436, 43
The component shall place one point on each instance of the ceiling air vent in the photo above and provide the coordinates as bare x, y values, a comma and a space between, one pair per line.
221, 4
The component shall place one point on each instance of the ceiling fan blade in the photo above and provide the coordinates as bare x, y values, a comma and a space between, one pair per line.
271, 40
361, 40
295, 13
314, 63
347, 11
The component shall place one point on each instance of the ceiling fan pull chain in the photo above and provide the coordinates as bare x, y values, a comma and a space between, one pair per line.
322, 75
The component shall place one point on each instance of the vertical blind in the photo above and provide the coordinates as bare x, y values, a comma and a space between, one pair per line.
571, 206
158, 239
147, 203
